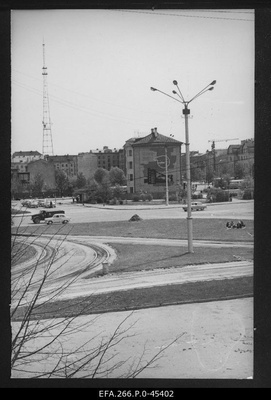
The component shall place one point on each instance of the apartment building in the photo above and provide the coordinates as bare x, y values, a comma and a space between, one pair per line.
146, 159
66, 163
107, 158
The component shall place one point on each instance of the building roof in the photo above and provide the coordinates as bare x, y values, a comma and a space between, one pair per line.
26, 153
155, 138
64, 158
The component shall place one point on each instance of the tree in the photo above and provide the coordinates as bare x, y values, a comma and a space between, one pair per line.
101, 175
239, 170
16, 185
36, 185
81, 180
248, 183
40, 343
62, 181
209, 174
104, 191
117, 177
118, 192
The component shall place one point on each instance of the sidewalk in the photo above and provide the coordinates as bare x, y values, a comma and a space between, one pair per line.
144, 206
214, 340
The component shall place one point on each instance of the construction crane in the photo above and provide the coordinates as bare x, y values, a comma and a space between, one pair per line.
213, 145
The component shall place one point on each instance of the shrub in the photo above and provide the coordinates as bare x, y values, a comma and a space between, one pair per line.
136, 197
218, 195
197, 196
149, 197
143, 197
221, 196
248, 195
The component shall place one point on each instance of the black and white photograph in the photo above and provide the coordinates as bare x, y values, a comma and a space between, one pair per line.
132, 195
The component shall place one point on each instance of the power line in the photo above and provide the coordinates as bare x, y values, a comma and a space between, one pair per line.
183, 15
69, 104
195, 167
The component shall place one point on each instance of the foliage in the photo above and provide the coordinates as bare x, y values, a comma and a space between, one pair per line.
101, 175
197, 196
80, 180
118, 192
136, 197
197, 173
62, 181
217, 195
239, 170
36, 185
248, 183
248, 194
16, 185
117, 177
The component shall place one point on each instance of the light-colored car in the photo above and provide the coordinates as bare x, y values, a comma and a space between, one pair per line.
33, 204
195, 206
57, 219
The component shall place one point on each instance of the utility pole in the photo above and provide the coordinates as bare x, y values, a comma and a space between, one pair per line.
213, 147
166, 175
186, 112
47, 141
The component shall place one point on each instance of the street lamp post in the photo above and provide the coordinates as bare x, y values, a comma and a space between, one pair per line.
166, 166
186, 112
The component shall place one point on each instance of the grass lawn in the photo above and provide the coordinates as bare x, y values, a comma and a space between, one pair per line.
137, 257
208, 229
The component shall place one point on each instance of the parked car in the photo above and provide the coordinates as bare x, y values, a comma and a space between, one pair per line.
36, 218
25, 202
195, 206
57, 219
41, 203
33, 204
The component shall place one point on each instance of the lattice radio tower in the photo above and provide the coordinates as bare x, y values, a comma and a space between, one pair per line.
47, 141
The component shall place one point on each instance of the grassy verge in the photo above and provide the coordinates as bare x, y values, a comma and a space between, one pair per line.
206, 229
136, 257
193, 292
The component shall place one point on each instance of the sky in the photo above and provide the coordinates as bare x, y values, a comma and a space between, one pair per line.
102, 63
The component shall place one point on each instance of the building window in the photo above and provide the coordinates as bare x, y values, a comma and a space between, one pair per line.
131, 190
131, 177
130, 164
130, 152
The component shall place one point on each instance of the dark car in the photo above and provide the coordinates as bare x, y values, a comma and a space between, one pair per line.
36, 218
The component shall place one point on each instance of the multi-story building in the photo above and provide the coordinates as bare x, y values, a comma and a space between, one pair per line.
66, 163
20, 160
146, 166
87, 164
242, 154
26, 156
107, 158
46, 169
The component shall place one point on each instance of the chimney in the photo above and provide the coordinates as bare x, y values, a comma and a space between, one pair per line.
154, 132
